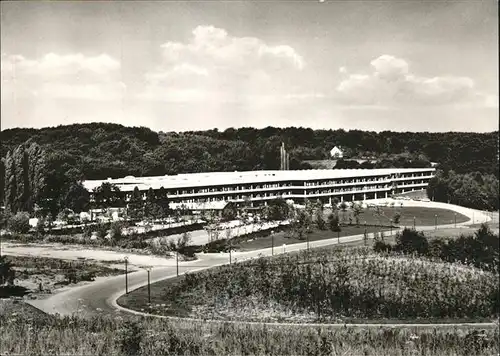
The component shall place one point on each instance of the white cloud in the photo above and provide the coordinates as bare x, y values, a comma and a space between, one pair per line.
73, 76
214, 65
392, 83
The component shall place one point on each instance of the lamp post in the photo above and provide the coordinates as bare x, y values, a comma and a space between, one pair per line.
177, 262
126, 274
149, 284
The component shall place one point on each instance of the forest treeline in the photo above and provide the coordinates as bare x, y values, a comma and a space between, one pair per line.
100, 150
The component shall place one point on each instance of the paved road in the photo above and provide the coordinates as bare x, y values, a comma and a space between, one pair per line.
100, 297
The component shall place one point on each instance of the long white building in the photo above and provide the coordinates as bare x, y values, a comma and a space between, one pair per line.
259, 187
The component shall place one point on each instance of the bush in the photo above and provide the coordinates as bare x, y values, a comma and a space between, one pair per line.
116, 230
381, 246
411, 241
19, 223
130, 338
102, 230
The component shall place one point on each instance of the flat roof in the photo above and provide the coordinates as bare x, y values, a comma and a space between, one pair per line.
227, 178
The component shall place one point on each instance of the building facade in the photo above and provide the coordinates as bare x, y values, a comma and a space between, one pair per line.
259, 187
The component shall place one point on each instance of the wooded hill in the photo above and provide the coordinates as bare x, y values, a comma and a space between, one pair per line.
46, 164
101, 150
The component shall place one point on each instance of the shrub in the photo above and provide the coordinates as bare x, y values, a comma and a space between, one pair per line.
130, 338
19, 223
333, 222
381, 246
102, 231
116, 230
7, 273
411, 241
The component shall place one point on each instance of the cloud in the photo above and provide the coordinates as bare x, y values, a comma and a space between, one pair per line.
73, 76
213, 65
391, 83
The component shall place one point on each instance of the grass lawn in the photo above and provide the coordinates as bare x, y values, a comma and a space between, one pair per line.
282, 237
423, 216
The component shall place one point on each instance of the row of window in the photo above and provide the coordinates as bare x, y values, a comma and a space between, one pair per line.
251, 188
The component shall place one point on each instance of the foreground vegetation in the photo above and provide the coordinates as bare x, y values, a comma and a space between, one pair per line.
23, 331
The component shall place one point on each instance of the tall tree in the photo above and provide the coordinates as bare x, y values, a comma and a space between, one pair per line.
108, 195
151, 208
77, 198
163, 202
136, 205
10, 183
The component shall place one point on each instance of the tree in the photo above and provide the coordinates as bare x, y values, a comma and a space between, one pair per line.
108, 195
396, 218
19, 222
277, 210
320, 220
136, 205
77, 198
357, 209
343, 207
152, 210
230, 212
333, 222
411, 241
7, 273
302, 223
163, 203
116, 231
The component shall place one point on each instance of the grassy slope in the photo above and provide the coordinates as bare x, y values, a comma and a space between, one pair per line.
165, 301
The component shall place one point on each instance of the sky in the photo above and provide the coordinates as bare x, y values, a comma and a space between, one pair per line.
195, 65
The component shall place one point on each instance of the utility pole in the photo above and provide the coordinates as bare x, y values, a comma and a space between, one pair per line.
455, 220
435, 221
126, 274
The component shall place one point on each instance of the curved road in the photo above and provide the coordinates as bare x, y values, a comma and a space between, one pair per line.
100, 297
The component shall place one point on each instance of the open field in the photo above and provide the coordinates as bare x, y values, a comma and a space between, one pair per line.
327, 286
23, 330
